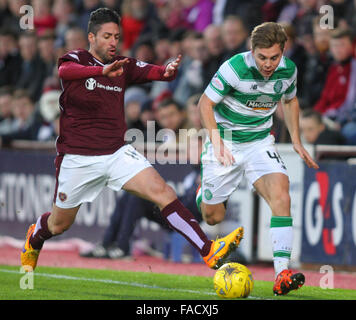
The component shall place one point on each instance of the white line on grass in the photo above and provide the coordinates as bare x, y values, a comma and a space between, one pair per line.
132, 284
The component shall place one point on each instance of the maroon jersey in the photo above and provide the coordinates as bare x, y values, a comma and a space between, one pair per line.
92, 120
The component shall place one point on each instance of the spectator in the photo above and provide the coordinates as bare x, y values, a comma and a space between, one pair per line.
162, 48
338, 76
191, 80
176, 38
113, 4
171, 115
143, 50
197, 14
12, 20
303, 21
316, 66
26, 122
33, 69
351, 16
135, 97
193, 116
340, 8
271, 9
4, 11
234, 34
84, 15
75, 38
49, 111
65, 15
43, 19
288, 12
314, 131
47, 52
215, 47
178, 45
250, 10
296, 52
346, 114
134, 14
6, 115
10, 59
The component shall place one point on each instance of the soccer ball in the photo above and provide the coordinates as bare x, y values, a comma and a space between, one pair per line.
233, 280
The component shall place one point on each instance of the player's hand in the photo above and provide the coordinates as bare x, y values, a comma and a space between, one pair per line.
222, 153
115, 69
305, 156
172, 67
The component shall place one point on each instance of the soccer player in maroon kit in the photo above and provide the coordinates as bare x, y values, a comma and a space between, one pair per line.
91, 151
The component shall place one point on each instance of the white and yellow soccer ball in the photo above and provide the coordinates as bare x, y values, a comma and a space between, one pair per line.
233, 280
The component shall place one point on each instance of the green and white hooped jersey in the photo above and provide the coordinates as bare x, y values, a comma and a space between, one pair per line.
245, 100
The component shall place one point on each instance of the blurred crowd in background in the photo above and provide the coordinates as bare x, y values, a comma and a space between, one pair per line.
206, 33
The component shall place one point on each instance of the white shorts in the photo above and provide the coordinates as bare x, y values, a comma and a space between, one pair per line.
81, 178
252, 159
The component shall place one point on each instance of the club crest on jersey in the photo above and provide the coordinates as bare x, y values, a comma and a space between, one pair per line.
261, 103
208, 195
278, 86
62, 196
90, 84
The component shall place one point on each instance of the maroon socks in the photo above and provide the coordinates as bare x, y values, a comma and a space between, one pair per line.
41, 233
182, 220
178, 217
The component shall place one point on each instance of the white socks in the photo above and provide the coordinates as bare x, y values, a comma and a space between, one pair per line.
281, 232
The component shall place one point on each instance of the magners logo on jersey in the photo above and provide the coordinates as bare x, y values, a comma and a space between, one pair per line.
261, 103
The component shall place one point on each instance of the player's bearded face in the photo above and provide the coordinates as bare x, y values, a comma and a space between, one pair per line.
267, 59
104, 44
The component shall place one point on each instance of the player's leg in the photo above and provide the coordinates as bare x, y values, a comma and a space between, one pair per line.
274, 188
148, 184
217, 184
78, 179
213, 213
266, 171
47, 225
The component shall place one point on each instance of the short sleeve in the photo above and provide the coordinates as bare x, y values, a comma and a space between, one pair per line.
219, 86
291, 91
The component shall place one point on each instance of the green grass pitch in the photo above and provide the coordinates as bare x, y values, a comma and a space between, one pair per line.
49, 283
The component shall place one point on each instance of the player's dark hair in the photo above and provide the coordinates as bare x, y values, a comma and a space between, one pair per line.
101, 16
267, 34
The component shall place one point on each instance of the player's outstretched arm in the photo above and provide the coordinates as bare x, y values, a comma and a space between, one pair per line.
172, 67
291, 115
115, 69
70, 70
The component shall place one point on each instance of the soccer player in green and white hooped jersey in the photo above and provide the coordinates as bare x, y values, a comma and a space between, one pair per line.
236, 109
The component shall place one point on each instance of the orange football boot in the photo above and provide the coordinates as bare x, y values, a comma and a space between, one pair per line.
29, 256
222, 247
287, 281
